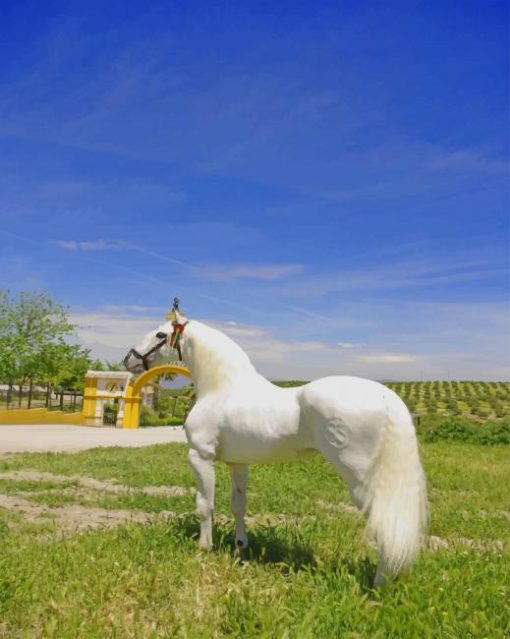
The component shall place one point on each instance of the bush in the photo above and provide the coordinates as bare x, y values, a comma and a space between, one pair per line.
487, 433
431, 406
499, 410
111, 407
455, 430
149, 418
498, 433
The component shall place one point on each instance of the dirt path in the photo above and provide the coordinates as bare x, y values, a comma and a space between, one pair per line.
62, 438
94, 484
73, 517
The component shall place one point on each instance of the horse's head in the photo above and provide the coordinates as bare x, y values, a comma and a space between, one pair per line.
158, 346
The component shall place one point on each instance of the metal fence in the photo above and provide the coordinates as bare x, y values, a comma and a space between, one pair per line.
39, 396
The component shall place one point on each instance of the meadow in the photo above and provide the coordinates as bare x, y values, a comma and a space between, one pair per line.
103, 544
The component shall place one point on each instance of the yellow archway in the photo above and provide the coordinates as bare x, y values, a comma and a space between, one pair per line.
133, 397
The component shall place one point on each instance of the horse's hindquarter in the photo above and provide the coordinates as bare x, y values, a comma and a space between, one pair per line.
347, 416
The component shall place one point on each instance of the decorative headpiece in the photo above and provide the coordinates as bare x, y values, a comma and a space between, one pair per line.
172, 315
179, 323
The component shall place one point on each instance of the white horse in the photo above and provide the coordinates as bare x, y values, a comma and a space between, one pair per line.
360, 426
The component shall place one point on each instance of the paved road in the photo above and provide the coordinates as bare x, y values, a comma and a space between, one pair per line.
62, 438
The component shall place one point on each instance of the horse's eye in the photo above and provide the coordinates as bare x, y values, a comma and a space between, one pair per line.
161, 335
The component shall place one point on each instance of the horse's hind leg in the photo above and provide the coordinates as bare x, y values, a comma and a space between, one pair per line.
204, 472
349, 457
239, 477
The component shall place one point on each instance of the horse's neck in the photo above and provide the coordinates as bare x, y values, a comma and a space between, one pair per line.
216, 362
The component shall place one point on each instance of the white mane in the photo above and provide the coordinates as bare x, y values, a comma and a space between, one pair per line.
214, 358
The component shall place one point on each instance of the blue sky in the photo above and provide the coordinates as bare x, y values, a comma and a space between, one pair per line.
326, 182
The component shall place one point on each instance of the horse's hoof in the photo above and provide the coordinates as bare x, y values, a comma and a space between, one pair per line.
205, 545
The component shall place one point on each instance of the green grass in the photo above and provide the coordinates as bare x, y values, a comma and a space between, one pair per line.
9, 486
152, 465
307, 572
54, 499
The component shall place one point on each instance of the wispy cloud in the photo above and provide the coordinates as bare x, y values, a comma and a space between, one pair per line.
227, 272
94, 245
132, 308
413, 273
468, 161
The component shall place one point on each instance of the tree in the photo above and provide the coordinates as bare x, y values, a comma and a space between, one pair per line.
97, 365
33, 341
114, 366
7, 342
65, 365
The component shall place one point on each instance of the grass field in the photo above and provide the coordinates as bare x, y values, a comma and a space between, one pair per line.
103, 544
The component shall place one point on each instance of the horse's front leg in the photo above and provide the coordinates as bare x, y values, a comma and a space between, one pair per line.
204, 472
239, 477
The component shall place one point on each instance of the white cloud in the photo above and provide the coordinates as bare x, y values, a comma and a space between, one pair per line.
266, 350
433, 346
112, 334
349, 345
389, 358
102, 329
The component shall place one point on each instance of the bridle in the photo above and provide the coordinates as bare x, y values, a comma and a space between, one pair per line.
143, 357
174, 342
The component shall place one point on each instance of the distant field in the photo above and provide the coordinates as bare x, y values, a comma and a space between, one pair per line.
468, 398
475, 399
103, 544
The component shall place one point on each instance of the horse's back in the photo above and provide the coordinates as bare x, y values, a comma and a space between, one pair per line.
353, 398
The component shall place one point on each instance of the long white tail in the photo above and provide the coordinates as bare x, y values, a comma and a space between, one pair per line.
395, 494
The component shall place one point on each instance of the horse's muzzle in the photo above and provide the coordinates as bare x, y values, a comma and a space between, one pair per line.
132, 364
